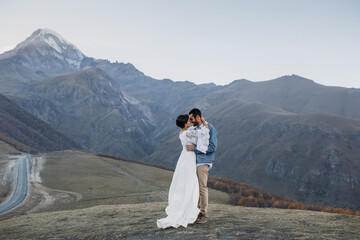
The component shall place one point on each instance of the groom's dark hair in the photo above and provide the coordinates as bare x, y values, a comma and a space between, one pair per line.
195, 112
181, 120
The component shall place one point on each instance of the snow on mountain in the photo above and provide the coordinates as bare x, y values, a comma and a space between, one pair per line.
52, 39
47, 52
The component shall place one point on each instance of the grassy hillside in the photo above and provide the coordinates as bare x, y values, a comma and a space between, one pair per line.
123, 200
138, 221
107, 181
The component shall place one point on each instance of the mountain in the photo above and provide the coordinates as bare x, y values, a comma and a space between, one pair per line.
309, 157
165, 98
91, 108
43, 54
14, 76
280, 143
294, 94
289, 135
27, 133
46, 53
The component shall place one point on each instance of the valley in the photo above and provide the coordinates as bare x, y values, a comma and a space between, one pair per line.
79, 195
67, 180
288, 135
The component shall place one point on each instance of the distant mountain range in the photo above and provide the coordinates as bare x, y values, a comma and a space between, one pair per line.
289, 135
313, 158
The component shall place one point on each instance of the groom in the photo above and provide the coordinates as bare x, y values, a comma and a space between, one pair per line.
203, 162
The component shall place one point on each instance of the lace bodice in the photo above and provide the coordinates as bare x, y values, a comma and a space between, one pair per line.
199, 137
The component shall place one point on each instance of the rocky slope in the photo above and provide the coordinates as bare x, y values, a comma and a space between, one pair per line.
28, 133
14, 76
165, 98
91, 108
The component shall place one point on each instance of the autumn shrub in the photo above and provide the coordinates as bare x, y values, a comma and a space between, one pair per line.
246, 195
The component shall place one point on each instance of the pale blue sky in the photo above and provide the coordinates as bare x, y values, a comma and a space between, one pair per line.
204, 41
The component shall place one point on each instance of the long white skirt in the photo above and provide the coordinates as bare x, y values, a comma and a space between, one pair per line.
183, 194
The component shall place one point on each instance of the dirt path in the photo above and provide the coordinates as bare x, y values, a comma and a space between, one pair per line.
46, 197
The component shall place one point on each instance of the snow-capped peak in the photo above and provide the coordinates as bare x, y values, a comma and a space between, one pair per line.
44, 33
48, 37
45, 45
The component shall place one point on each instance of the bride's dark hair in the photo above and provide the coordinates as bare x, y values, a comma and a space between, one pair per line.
181, 120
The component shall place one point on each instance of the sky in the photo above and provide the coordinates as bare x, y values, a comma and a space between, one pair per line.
203, 41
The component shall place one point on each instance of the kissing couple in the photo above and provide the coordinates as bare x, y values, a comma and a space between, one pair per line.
188, 193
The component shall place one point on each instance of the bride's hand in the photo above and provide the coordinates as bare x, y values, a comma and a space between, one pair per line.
204, 122
190, 147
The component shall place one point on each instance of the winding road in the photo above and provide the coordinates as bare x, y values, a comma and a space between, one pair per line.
21, 189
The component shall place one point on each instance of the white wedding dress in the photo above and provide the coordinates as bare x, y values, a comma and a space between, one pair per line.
184, 189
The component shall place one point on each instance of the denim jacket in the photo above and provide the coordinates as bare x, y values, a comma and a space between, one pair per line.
209, 157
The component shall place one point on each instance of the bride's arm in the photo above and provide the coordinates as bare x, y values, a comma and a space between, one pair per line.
203, 136
191, 135
204, 122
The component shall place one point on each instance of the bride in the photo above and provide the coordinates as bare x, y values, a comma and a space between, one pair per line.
184, 189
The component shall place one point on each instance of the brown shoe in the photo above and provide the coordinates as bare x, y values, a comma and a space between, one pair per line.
201, 218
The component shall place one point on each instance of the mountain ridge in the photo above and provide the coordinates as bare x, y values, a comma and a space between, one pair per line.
277, 122
83, 99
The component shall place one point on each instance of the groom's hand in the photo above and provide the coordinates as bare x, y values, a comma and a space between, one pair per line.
190, 147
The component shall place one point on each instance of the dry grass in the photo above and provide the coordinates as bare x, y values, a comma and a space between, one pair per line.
138, 221
107, 181
122, 188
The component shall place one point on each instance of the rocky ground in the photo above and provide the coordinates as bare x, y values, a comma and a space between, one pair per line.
138, 221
